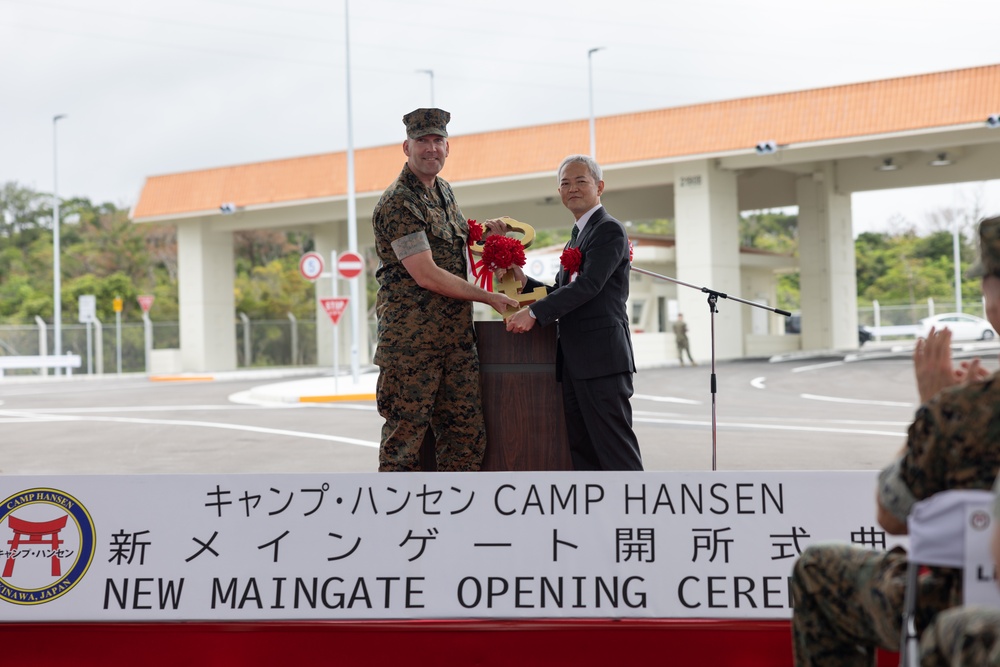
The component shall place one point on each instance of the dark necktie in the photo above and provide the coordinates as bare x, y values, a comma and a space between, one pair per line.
572, 237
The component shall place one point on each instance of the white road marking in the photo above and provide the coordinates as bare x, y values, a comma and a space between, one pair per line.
758, 383
774, 427
191, 408
43, 417
665, 399
813, 367
858, 401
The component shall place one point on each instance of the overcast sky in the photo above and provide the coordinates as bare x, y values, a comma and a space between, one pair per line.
155, 86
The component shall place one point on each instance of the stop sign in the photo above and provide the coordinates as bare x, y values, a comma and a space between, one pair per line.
350, 265
146, 301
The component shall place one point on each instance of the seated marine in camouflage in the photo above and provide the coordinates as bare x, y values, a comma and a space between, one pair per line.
849, 600
966, 636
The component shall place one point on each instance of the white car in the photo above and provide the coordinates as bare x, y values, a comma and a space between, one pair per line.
963, 327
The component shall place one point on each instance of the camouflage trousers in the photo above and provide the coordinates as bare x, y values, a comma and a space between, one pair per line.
437, 389
849, 600
962, 637
682, 349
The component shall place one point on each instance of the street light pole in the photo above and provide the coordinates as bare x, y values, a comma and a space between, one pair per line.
590, 77
957, 260
352, 207
56, 268
429, 72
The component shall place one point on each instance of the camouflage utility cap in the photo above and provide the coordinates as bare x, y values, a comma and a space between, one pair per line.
422, 122
989, 249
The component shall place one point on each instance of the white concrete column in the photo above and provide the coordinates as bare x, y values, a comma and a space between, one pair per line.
708, 255
207, 305
331, 240
827, 279
328, 238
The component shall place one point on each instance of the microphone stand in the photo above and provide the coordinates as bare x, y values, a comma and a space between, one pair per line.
713, 297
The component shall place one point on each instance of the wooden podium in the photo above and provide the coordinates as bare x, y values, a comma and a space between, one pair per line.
522, 402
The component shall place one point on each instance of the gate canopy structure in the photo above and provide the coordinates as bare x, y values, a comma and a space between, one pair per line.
699, 165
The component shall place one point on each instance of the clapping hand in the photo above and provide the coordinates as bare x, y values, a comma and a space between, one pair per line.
933, 366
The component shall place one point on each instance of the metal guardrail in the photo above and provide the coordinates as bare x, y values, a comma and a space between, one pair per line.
39, 363
896, 331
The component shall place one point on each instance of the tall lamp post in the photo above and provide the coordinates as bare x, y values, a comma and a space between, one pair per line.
429, 72
957, 260
56, 269
590, 77
352, 207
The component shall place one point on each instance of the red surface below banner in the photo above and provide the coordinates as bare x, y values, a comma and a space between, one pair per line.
469, 643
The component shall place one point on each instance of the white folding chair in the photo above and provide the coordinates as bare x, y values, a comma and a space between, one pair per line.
949, 529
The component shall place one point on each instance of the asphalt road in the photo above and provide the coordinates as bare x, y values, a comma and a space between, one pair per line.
811, 414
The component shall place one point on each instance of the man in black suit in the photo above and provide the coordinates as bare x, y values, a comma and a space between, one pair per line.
594, 358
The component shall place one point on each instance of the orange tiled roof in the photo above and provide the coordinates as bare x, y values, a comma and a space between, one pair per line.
863, 109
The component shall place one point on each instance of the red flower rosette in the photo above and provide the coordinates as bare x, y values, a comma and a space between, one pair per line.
571, 258
499, 252
475, 236
475, 232
502, 252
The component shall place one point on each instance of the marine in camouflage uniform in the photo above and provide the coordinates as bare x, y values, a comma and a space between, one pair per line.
849, 600
962, 637
681, 337
426, 351
965, 636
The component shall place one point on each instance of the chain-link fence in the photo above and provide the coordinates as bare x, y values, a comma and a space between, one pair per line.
911, 314
274, 343
271, 343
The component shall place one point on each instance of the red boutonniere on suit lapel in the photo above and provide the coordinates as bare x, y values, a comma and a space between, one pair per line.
571, 258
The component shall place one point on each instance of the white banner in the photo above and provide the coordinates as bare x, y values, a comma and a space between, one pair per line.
419, 545
980, 581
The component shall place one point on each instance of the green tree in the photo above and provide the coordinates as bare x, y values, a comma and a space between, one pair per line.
24, 213
102, 253
261, 247
105, 290
271, 292
771, 231
661, 226
104, 241
934, 246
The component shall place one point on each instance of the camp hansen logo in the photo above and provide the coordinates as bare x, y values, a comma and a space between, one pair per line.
46, 545
979, 520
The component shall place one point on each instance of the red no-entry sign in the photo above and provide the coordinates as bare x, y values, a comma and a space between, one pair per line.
350, 265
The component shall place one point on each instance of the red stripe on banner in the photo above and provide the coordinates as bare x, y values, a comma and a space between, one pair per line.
541, 643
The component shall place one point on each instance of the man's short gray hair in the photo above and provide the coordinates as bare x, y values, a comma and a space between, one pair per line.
592, 166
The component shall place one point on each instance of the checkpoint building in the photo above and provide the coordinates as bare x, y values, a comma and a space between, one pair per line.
700, 165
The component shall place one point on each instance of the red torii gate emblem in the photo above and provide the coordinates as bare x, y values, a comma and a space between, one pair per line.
35, 532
